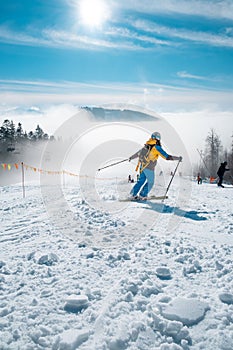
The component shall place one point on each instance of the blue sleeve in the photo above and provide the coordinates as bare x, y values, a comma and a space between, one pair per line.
161, 151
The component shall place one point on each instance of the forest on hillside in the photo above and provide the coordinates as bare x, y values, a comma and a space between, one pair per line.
15, 142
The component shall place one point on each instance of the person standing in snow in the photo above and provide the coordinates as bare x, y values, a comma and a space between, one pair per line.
221, 172
199, 179
148, 156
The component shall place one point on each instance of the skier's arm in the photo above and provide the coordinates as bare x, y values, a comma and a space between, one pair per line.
135, 155
166, 156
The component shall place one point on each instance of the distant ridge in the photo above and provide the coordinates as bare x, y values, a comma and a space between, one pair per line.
112, 114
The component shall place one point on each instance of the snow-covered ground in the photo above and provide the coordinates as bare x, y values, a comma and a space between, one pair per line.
137, 276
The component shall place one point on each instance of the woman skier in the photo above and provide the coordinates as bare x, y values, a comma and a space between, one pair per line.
148, 156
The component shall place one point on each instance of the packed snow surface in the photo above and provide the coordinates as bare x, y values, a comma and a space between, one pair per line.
146, 276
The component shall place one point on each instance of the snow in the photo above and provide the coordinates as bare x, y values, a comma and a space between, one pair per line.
71, 339
76, 303
163, 273
187, 311
137, 276
226, 298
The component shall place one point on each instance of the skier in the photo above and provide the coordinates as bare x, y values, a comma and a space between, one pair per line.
199, 179
221, 172
148, 156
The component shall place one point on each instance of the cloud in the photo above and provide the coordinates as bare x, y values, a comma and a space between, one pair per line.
64, 40
19, 38
61, 39
209, 8
122, 32
162, 97
185, 75
184, 34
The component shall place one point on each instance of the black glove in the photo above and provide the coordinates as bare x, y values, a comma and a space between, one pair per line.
180, 159
130, 159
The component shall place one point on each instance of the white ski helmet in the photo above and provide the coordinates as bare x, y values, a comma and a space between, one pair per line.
156, 136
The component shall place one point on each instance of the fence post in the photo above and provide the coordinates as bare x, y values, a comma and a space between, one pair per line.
63, 179
23, 179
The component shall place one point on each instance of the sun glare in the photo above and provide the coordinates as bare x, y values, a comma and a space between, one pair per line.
93, 13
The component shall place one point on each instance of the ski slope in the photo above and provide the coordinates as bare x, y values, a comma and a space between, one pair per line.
116, 276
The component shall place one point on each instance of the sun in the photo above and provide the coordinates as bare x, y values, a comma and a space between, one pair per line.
93, 13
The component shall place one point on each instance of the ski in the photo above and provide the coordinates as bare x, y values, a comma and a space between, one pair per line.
157, 197
150, 198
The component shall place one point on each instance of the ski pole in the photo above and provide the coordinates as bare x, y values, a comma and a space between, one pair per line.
171, 180
107, 166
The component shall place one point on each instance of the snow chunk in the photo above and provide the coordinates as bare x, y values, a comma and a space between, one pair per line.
163, 273
226, 298
174, 330
71, 339
188, 311
117, 344
195, 267
150, 288
218, 265
48, 259
76, 303
123, 254
2, 263
170, 347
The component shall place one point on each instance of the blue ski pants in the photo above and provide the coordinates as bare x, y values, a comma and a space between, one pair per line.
144, 184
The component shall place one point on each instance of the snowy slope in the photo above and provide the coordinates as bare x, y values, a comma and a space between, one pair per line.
162, 289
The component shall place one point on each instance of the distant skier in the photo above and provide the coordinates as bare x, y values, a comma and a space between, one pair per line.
221, 172
199, 179
148, 156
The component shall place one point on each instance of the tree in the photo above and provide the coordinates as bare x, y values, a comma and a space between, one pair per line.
19, 132
6, 130
212, 152
45, 137
12, 131
12, 139
39, 133
31, 136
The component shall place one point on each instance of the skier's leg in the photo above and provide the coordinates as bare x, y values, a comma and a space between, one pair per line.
220, 180
144, 190
138, 184
149, 184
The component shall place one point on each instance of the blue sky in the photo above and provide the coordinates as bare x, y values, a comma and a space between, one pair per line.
174, 57
177, 43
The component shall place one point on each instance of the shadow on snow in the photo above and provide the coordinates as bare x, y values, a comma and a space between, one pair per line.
163, 208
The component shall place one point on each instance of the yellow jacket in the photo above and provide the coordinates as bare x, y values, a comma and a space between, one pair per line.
149, 154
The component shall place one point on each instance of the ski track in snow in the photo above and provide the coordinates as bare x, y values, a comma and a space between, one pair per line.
60, 293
